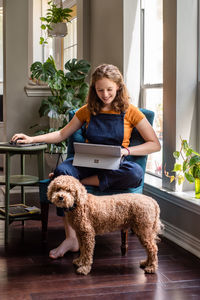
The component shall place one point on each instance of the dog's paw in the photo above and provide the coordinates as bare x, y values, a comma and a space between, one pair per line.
143, 263
77, 262
84, 270
150, 269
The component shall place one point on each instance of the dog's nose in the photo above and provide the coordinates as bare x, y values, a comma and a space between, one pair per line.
60, 198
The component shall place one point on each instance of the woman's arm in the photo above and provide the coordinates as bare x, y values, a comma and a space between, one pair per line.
52, 137
151, 144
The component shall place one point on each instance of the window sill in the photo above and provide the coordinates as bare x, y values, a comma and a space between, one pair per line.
187, 200
37, 91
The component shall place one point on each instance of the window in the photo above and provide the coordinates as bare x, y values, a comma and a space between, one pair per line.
70, 41
62, 49
152, 72
37, 52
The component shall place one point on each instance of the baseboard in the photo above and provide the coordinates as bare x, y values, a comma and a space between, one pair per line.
182, 238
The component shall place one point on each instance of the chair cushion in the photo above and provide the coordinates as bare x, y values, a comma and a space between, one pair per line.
95, 191
43, 185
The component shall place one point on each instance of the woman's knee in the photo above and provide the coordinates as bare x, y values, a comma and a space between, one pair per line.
65, 168
134, 175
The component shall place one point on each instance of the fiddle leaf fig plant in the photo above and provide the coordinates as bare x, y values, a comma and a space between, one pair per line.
188, 165
68, 89
54, 15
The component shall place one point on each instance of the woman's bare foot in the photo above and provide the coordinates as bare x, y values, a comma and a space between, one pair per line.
69, 244
51, 175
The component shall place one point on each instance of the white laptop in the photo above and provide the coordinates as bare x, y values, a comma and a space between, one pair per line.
97, 156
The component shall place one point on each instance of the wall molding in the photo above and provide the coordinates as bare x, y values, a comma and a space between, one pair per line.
182, 238
177, 201
180, 199
37, 91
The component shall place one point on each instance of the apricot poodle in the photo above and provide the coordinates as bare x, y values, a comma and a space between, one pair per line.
90, 215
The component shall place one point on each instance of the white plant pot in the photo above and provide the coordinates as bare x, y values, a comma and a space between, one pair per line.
58, 29
57, 123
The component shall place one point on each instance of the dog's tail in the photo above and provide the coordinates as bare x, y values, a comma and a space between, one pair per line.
158, 225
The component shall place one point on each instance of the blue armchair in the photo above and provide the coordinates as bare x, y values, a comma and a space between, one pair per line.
78, 136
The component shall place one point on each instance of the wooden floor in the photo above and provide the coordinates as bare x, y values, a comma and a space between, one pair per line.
26, 272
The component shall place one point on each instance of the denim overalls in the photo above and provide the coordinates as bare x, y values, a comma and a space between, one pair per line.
105, 129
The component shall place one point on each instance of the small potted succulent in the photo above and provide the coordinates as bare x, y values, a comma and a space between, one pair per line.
54, 23
187, 167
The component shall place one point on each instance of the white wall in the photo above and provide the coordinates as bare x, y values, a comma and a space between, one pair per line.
106, 33
20, 111
131, 52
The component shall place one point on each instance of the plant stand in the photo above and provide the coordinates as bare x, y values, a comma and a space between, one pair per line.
21, 180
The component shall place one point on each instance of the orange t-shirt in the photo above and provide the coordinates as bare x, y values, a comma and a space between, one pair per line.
132, 117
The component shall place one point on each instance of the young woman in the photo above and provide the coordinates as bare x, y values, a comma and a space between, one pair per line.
109, 119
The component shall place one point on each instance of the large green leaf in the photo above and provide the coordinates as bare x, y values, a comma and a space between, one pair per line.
185, 145
194, 160
177, 167
176, 154
185, 165
189, 177
48, 107
196, 171
83, 91
57, 81
42, 71
77, 69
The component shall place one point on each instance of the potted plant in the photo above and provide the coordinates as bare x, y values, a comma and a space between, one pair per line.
188, 168
54, 23
68, 90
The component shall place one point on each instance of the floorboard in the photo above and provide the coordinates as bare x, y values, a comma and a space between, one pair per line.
26, 271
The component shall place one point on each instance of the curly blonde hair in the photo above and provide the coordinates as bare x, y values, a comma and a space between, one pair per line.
121, 101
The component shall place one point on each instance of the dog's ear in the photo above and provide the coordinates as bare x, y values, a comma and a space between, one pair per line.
81, 193
50, 190
55, 184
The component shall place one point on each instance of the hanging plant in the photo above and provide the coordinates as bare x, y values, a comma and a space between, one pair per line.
55, 15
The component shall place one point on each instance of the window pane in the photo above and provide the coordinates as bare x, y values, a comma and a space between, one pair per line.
154, 101
153, 41
70, 41
48, 48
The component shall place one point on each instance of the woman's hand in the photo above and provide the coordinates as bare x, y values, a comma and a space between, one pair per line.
125, 152
22, 138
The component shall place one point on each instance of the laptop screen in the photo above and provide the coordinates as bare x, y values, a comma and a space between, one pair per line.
97, 156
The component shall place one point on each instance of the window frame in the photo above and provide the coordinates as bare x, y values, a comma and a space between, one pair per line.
72, 4
145, 87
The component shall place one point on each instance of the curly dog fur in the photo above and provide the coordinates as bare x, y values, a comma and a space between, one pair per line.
90, 215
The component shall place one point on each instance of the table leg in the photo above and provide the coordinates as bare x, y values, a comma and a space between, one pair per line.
22, 173
22, 163
41, 167
7, 196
